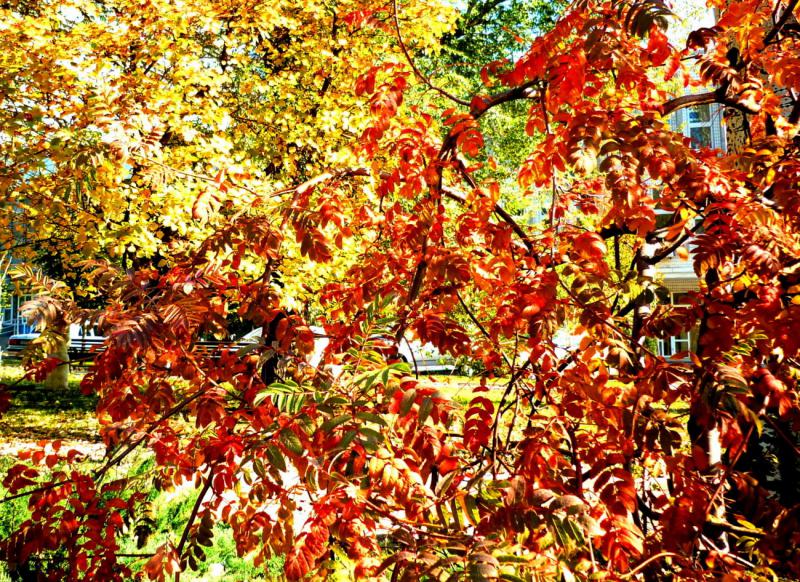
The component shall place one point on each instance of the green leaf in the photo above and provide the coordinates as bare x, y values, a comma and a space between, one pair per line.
285, 386
287, 396
260, 398
291, 441
456, 516
409, 396
246, 349
332, 423
471, 509
347, 439
368, 416
372, 438
370, 433
258, 466
425, 409
509, 559
276, 457
444, 484
365, 378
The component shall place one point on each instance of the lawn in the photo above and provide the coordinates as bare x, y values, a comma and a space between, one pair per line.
460, 389
37, 413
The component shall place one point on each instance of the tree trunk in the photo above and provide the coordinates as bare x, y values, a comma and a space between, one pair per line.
58, 379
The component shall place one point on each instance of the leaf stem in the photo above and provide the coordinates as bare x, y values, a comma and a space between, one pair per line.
192, 516
417, 72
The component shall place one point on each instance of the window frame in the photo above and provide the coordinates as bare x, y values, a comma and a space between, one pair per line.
681, 122
685, 338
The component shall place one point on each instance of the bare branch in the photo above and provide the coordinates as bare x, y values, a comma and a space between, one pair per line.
716, 96
417, 72
773, 32
478, 108
192, 516
688, 101
501, 212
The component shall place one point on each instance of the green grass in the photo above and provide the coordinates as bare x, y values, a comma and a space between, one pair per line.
461, 389
14, 512
164, 519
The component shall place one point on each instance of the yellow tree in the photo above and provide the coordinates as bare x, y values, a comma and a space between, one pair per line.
132, 130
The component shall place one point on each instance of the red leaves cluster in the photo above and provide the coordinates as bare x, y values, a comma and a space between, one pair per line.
311, 545
478, 423
70, 511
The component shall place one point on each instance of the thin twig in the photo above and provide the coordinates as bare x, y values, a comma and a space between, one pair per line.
638, 568
170, 413
782, 22
417, 72
32, 491
133, 445
192, 517
782, 434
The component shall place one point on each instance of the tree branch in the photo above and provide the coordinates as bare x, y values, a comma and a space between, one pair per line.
35, 490
417, 72
667, 251
479, 325
688, 101
638, 568
794, 116
192, 517
716, 96
480, 106
773, 32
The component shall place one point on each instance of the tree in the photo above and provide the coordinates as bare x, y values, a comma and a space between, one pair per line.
212, 148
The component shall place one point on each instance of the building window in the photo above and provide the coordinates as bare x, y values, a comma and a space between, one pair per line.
682, 342
702, 124
19, 323
8, 311
699, 129
676, 344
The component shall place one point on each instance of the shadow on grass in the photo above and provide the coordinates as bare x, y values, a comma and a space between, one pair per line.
38, 413
37, 398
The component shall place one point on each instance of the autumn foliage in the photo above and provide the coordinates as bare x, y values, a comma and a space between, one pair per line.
195, 170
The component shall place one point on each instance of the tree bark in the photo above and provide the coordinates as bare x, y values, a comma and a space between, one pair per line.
58, 379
